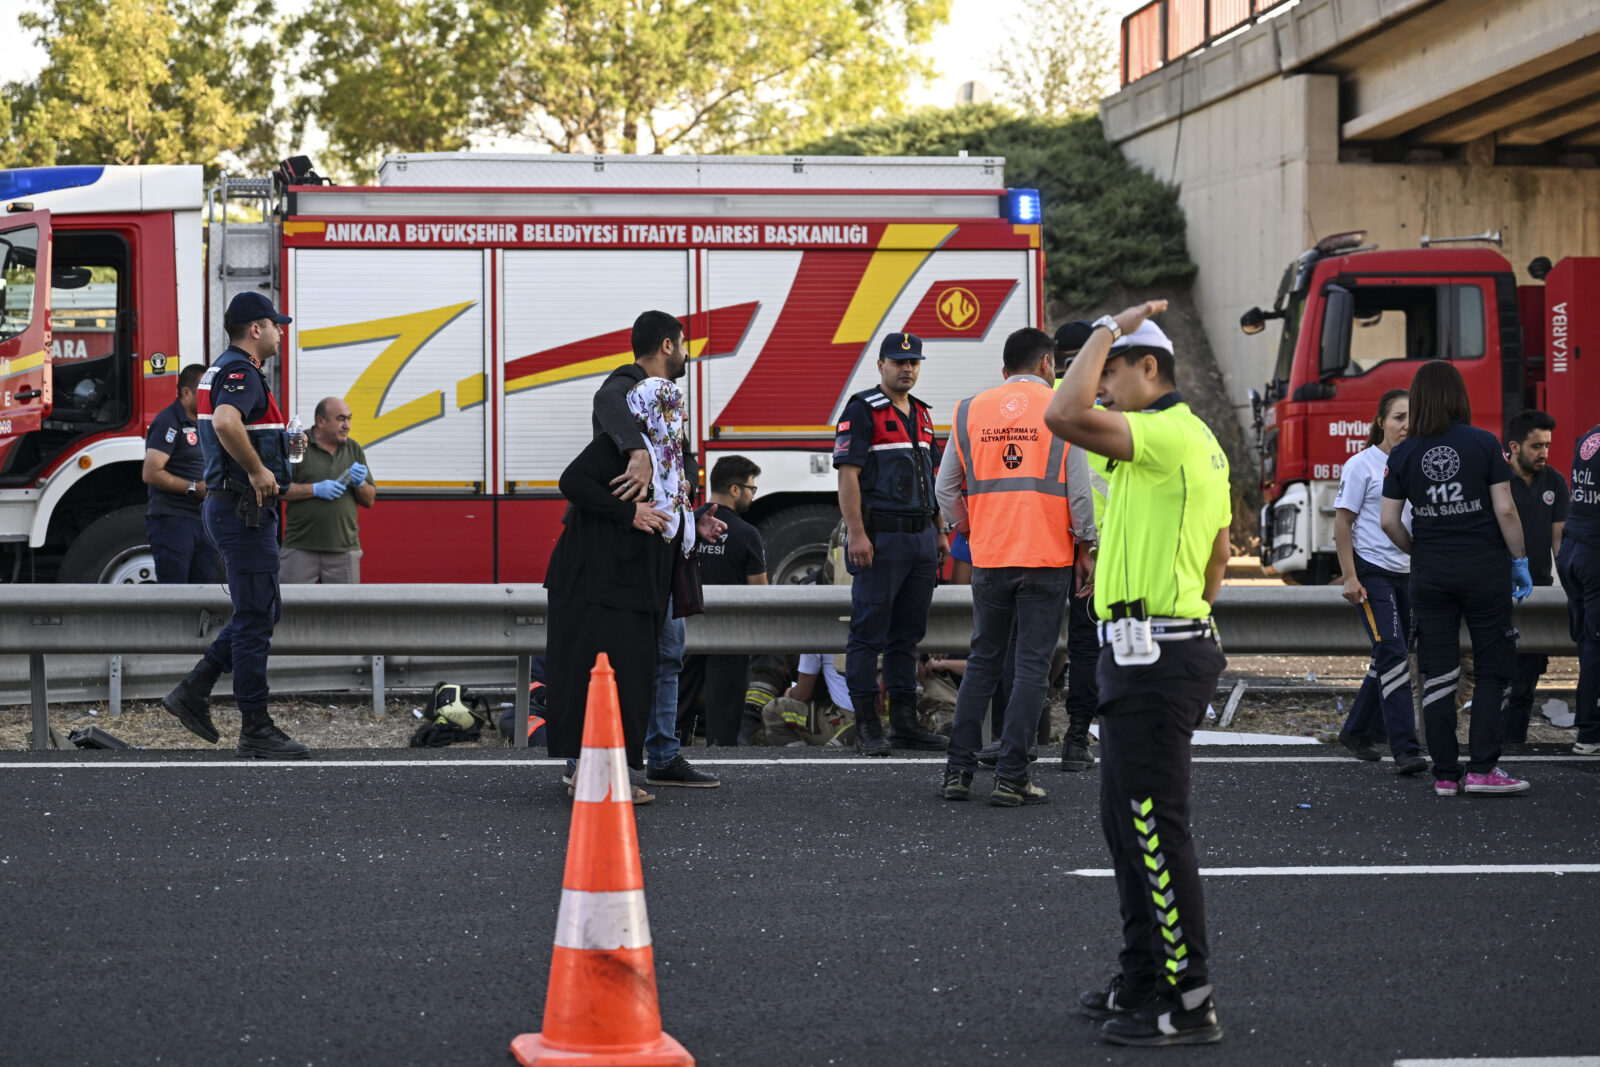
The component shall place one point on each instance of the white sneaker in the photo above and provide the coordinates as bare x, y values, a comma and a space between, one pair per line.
1584, 748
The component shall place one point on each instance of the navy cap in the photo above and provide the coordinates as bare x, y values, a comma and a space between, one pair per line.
1072, 336
901, 346
250, 306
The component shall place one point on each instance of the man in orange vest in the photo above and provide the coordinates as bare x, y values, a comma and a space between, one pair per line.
1028, 505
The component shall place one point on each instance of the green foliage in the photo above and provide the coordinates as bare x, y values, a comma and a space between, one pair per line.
144, 81
1107, 224
722, 76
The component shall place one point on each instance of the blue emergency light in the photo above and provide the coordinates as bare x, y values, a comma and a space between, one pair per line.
1022, 206
28, 181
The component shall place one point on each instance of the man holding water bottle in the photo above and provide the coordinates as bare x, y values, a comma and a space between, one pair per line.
323, 539
248, 454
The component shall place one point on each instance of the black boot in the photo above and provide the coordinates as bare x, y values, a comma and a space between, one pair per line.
904, 729
1075, 754
190, 701
259, 737
869, 728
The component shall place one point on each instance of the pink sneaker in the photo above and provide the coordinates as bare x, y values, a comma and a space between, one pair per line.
1496, 781
1447, 787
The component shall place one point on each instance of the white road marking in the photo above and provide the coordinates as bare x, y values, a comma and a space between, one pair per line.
1518, 1061
1457, 868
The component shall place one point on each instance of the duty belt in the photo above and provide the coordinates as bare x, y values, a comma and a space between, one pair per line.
1166, 628
878, 522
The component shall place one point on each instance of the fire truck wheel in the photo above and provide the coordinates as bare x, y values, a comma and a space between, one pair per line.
796, 541
1321, 569
113, 550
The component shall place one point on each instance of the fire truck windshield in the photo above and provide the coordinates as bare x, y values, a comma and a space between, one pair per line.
1293, 309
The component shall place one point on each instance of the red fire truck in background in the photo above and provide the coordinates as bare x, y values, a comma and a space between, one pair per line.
466, 308
1357, 322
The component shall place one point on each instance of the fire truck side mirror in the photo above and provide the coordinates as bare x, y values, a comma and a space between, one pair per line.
1338, 312
1253, 321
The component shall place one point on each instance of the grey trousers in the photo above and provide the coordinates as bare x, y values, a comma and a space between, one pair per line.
300, 566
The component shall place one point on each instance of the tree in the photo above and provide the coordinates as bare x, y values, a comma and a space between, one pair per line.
1107, 224
1060, 57
399, 75
145, 81
710, 75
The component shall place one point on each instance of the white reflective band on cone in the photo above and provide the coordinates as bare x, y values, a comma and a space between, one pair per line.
602, 920
603, 776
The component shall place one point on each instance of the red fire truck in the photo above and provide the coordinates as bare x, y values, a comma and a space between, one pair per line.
1357, 322
466, 308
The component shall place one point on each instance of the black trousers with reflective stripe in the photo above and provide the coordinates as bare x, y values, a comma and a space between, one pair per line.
1148, 716
1477, 589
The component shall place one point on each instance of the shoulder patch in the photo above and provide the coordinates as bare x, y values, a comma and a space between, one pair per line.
845, 425
172, 434
236, 376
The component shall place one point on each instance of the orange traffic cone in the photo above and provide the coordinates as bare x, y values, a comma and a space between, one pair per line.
601, 1007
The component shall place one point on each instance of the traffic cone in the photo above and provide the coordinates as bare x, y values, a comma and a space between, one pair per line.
601, 1007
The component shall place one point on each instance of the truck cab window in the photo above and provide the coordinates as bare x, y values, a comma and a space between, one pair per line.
18, 247
1414, 322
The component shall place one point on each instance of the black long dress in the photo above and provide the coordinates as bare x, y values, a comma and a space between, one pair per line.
609, 585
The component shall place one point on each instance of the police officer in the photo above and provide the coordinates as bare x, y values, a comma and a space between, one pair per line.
886, 456
1579, 567
247, 469
175, 471
1467, 561
1163, 549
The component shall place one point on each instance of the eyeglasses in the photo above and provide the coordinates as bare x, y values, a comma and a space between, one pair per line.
747, 488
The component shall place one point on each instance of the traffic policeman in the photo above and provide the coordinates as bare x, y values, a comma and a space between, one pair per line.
247, 470
175, 470
1163, 549
1024, 527
886, 456
1579, 567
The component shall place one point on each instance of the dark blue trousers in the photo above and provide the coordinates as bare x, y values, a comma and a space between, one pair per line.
251, 556
889, 604
183, 552
1579, 567
1385, 695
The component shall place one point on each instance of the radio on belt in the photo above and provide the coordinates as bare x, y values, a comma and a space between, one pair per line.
1132, 643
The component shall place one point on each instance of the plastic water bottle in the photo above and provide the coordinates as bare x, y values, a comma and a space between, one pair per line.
297, 439
345, 479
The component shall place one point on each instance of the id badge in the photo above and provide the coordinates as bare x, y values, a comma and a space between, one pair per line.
1133, 644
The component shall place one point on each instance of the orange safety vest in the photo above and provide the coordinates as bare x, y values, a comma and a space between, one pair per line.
1016, 479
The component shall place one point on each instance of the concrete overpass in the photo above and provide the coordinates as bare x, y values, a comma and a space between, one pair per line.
1399, 117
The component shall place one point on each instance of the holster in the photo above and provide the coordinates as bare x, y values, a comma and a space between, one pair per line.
244, 502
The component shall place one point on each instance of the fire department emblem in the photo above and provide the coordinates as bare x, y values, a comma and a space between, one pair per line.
158, 363
1549, 497
1590, 446
1014, 406
957, 308
1440, 464
1011, 457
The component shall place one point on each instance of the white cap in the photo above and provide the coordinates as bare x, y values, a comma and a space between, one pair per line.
1148, 335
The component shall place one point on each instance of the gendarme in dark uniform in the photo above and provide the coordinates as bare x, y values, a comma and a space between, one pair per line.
1579, 567
886, 457
234, 393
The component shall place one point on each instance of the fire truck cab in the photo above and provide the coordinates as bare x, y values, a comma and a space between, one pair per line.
1357, 322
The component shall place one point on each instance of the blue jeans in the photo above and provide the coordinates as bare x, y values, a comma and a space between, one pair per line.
1387, 687
183, 553
252, 558
889, 604
661, 741
1036, 598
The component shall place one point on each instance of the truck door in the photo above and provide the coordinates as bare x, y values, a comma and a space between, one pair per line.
24, 329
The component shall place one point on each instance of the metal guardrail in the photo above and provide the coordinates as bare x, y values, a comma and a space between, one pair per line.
486, 622
1165, 30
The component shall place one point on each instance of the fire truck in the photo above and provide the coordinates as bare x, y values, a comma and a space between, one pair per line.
466, 308
1358, 321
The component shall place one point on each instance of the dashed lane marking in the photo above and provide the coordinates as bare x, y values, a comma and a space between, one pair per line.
1456, 868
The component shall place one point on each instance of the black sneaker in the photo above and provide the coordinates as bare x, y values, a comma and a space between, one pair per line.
1114, 1000
1015, 792
1164, 1020
1360, 749
1415, 763
678, 772
269, 742
989, 754
957, 785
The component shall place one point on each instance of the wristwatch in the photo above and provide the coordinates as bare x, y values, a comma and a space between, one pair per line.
1110, 324
194, 489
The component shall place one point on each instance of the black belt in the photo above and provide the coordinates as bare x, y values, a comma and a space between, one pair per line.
878, 522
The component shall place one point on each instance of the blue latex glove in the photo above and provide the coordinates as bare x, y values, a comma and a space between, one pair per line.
358, 473
332, 490
1521, 580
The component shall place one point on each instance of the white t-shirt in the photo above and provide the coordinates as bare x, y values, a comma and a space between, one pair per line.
1361, 491
838, 692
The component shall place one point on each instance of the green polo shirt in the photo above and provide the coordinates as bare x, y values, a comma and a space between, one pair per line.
1163, 512
325, 525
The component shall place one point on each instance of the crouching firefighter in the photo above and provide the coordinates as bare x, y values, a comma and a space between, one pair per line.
1164, 546
247, 470
886, 457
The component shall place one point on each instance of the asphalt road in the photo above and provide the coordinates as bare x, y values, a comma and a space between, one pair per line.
162, 911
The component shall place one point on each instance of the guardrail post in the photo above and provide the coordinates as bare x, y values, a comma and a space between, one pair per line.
377, 687
41, 706
114, 697
524, 683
